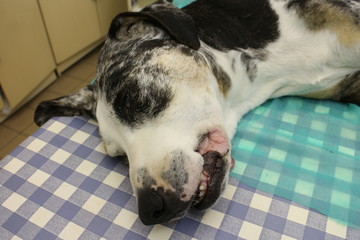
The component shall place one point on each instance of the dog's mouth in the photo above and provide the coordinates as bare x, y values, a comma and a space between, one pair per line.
211, 180
214, 147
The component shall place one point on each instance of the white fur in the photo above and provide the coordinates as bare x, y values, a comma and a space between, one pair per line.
299, 62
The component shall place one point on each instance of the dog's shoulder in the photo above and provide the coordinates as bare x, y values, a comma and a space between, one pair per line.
234, 24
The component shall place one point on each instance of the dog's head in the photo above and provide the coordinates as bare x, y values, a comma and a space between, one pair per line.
155, 100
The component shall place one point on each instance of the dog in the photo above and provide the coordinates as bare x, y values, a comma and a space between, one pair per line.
173, 83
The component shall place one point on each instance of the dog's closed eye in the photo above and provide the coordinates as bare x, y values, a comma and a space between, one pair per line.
128, 102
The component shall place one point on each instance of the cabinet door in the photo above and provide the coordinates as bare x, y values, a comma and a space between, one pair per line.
107, 10
141, 3
25, 54
1, 103
72, 25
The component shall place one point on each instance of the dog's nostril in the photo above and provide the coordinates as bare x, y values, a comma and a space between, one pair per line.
156, 206
151, 206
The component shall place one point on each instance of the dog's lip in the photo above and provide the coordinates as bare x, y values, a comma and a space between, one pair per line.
214, 169
213, 146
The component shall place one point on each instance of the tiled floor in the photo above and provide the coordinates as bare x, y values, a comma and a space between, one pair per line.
20, 125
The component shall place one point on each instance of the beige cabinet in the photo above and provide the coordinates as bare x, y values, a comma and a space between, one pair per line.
107, 10
39, 38
71, 25
139, 4
1, 103
25, 54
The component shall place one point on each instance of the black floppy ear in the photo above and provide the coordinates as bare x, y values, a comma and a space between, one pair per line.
81, 103
178, 24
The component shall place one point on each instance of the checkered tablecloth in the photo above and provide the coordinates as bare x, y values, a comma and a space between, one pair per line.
307, 151
59, 184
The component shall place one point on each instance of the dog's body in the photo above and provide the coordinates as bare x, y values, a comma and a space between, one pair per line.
172, 85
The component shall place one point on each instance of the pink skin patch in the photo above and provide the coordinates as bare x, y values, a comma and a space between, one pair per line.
216, 140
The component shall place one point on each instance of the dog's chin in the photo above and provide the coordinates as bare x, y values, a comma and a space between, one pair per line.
212, 180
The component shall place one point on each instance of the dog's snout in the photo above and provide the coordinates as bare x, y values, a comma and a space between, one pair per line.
157, 206
151, 206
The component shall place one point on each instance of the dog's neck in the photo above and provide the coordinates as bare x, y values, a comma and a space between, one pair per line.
280, 69
280, 59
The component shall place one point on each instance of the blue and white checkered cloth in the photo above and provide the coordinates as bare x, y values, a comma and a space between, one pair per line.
59, 184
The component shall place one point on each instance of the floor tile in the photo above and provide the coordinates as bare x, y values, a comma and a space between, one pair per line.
80, 71
44, 95
12, 145
64, 85
30, 129
92, 59
87, 81
91, 77
20, 120
6, 135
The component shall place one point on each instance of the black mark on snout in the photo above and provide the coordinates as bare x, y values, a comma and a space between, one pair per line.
158, 206
176, 174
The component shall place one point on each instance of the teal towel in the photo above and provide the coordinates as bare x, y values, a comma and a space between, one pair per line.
182, 3
307, 151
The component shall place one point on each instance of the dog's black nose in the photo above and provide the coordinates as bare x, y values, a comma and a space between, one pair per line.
157, 206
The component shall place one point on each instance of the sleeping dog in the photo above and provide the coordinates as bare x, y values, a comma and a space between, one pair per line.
173, 83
